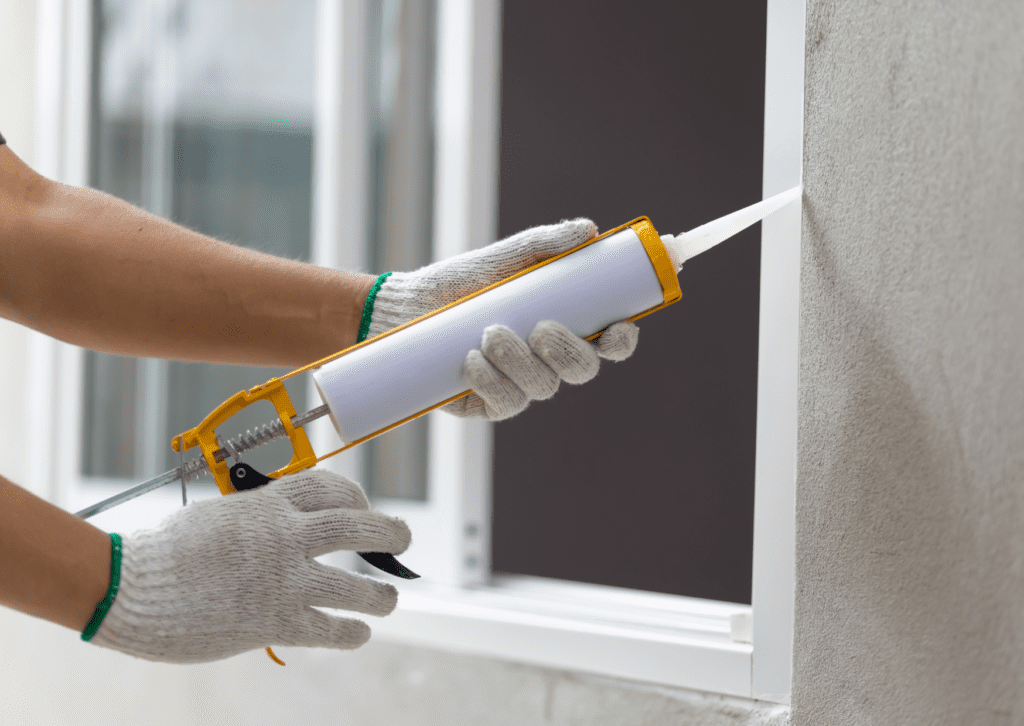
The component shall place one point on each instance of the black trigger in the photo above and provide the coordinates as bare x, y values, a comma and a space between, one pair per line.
245, 477
388, 563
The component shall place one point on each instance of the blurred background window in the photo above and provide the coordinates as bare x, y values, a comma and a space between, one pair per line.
202, 113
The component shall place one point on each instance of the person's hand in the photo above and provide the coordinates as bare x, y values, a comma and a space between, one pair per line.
235, 573
506, 373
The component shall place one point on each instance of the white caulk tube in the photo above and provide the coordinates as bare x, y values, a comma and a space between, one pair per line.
622, 275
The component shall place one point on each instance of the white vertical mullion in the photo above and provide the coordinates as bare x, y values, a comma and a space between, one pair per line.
42, 414
42, 374
151, 394
477, 436
484, 107
446, 477
49, 87
160, 102
465, 214
76, 79
67, 429
76, 85
453, 141
63, 70
341, 133
778, 359
340, 173
340, 170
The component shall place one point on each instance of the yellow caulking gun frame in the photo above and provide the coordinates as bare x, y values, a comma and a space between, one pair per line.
303, 457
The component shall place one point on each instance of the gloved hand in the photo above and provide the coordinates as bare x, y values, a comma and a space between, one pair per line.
231, 574
506, 373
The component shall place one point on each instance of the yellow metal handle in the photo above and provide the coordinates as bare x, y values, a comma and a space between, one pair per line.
205, 435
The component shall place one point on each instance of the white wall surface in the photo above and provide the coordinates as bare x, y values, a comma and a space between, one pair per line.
910, 491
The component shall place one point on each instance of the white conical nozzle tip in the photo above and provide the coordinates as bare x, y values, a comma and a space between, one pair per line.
685, 246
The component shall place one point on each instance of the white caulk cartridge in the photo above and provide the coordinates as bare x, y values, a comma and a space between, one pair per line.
394, 377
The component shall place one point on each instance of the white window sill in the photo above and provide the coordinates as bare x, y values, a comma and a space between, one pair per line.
664, 639
642, 636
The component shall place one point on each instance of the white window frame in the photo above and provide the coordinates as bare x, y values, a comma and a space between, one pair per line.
685, 642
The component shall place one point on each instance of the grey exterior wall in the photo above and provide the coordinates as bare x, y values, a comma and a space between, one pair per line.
910, 494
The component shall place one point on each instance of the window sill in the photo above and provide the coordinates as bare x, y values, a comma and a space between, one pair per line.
650, 637
641, 636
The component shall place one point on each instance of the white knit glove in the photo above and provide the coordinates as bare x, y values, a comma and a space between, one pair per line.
231, 574
506, 373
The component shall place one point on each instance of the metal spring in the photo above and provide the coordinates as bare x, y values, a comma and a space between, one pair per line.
194, 468
250, 440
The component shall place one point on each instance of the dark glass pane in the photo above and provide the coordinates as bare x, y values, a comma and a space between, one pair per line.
644, 477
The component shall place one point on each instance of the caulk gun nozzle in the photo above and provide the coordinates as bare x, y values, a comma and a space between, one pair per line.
692, 243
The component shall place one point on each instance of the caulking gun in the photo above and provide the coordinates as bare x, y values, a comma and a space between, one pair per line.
381, 383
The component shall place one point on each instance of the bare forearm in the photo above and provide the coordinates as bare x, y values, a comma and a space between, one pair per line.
92, 270
52, 564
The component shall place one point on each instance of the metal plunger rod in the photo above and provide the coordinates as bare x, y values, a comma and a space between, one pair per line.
193, 468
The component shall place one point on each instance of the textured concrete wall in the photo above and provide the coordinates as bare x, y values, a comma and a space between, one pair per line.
910, 538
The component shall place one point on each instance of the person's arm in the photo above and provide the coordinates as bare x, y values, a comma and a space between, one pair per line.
53, 565
95, 271
180, 588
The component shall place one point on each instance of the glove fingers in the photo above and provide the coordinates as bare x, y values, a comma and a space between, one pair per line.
316, 490
330, 587
318, 533
407, 295
502, 398
533, 245
510, 354
471, 406
311, 628
618, 341
574, 359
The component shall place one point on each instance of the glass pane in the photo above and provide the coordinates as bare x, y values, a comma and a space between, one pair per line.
402, 44
645, 475
108, 440
202, 113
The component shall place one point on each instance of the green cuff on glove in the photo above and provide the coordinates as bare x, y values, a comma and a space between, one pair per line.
364, 324
108, 600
